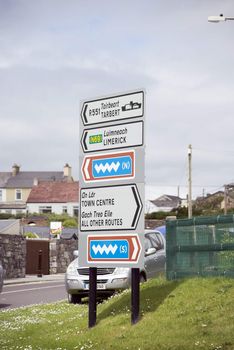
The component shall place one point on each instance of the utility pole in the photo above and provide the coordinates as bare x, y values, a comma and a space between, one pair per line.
178, 191
189, 181
225, 199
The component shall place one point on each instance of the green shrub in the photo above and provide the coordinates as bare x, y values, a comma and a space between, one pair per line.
30, 235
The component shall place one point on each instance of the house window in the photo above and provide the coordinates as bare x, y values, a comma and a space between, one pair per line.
45, 209
0, 195
64, 210
18, 195
75, 211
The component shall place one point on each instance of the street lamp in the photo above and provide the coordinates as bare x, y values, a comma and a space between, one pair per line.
220, 18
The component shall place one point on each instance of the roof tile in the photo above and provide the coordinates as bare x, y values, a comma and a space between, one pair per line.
54, 192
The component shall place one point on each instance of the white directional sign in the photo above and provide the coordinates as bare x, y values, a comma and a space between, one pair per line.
114, 108
113, 137
111, 180
110, 208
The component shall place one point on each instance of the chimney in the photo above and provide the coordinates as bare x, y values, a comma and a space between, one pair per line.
15, 169
67, 172
35, 181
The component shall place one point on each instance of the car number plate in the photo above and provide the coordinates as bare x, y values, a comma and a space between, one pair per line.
99, 286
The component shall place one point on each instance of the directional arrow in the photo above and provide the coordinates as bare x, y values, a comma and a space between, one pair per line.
113, 108
84, 141
110, 208
114, 166
114, 248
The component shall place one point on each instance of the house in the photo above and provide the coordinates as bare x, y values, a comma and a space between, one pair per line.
15, 186
211, 201
54, 197
149, 207
164, 203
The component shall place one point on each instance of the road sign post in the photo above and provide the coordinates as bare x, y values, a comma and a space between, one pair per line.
92, 296
112, 174
135, 295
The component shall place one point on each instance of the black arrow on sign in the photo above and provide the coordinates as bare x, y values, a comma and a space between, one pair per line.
84, 113
139, 207
83, 141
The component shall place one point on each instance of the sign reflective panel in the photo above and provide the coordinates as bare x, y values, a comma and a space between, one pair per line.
111, 208
113, 108
112, 137
113, 248
114, 166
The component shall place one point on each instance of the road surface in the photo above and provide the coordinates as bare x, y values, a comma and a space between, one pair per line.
25, 294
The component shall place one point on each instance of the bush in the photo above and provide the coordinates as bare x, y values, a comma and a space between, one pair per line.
70, 223
30, 235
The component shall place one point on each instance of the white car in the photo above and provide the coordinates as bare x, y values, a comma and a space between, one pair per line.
1, 277
110, 280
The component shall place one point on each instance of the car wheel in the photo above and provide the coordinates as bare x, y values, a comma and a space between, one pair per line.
74, 298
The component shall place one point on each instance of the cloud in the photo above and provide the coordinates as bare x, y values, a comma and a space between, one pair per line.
55, 54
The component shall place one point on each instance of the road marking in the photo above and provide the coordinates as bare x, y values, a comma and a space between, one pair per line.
31, 289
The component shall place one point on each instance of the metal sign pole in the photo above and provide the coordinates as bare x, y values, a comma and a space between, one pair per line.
92, 296
39, 274
135, 295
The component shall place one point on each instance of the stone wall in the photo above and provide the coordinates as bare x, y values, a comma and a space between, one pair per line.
13, 255
61, 254
152, 223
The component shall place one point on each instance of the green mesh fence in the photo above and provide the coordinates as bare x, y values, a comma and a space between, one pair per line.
200, 246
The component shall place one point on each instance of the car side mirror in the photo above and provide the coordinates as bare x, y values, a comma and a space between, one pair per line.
150, 251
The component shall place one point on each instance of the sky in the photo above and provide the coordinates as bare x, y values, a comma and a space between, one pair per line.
56, 53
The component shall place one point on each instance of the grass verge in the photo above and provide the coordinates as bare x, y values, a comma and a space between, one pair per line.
190, 314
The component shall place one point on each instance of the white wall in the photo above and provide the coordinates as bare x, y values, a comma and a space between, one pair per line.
151, 208
57, 208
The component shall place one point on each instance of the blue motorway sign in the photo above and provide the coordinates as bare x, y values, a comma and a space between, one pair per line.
120, 166
112, 166
113, 248
118, 249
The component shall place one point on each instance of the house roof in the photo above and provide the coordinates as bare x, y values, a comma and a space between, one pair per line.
3, 178
54, 192
25, 179
210, 196
167, 201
